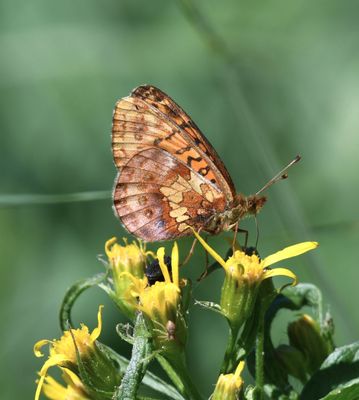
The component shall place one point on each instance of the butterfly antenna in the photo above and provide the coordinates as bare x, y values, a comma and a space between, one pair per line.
281, 175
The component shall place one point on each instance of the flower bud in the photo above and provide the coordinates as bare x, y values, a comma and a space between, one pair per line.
305, 335
127, 264
229, 386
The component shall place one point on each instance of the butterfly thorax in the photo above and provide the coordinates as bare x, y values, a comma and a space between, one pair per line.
241, 207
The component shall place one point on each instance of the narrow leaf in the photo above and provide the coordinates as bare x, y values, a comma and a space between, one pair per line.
71, 295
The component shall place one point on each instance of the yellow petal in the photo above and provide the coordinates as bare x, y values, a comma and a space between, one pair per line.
270, 273
108, 246
76, 381
288, 252
39, 387
175, 262
38, 345
163, 266
53, 389
51, 362
97, 331
215, 255
239, 369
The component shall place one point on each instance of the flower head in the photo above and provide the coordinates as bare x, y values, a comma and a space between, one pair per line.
128, 258
127, 264
228, 386
74, 347
161, 303
244, 274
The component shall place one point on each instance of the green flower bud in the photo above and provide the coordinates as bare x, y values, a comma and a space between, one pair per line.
305, 335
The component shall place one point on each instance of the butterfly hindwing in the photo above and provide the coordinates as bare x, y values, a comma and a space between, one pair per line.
159, 198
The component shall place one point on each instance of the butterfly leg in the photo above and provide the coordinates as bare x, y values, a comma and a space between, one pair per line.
235, 236
236, 230
189, 255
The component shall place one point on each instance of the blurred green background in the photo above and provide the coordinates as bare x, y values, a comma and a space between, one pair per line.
263, 80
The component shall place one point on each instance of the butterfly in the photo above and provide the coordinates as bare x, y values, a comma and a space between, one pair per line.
170, 179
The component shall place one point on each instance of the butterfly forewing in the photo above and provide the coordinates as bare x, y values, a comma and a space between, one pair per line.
170, 177
197, 150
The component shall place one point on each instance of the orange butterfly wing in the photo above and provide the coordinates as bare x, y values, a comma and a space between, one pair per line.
159, 198
149, 122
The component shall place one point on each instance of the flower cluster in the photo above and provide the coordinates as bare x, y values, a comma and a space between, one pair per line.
148, 284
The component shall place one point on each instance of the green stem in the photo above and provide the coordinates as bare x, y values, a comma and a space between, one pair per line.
260, 359
176, 368
229, 355
136, 367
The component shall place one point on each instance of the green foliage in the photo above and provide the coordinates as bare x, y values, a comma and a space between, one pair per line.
64, 64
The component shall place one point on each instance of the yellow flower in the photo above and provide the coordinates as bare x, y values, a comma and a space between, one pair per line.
228, 386
63, 353
243, 275
128, 264
75, 390
161, 303
252, 268
128, 258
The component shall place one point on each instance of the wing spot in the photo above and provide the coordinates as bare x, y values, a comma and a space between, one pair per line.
148, 176
204, 171
190, 159
183, 150
142, 200
148, 213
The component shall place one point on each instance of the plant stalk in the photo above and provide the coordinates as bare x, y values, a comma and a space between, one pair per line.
259, 354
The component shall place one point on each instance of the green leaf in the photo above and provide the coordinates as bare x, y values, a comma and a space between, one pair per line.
124, 331
305, 294
71, 295
210, 305
348, 353
348, 391
337, 370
